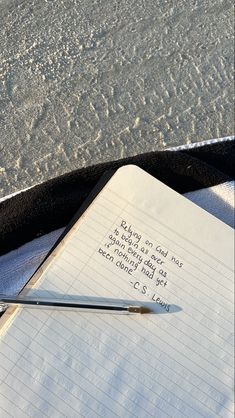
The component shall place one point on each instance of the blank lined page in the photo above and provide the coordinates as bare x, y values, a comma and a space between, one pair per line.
142, 243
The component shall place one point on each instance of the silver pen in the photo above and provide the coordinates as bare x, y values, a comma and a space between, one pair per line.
37, 302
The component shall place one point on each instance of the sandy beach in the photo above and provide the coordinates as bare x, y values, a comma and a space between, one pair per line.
85, 81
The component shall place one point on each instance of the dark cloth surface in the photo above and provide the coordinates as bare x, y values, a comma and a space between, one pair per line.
52, 204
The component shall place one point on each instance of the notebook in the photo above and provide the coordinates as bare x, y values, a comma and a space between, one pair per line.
138, 242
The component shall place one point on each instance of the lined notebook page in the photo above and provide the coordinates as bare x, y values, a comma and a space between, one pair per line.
143, 243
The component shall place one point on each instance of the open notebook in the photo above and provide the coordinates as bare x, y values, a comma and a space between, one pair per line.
142, 242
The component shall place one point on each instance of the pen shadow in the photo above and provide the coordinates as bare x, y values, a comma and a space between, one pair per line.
154, 307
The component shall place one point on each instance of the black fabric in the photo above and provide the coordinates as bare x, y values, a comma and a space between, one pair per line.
52, 204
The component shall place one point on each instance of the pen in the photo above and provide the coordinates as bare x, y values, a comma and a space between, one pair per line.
8, 301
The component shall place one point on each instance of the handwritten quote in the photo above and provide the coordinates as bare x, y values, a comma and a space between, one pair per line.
140, 257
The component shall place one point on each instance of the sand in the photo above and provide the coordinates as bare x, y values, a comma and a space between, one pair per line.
87, 81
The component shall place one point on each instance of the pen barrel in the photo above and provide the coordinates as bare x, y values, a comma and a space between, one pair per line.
70, 304
61, 304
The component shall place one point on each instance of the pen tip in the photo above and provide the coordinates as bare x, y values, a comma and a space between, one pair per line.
139, 309
144, 310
